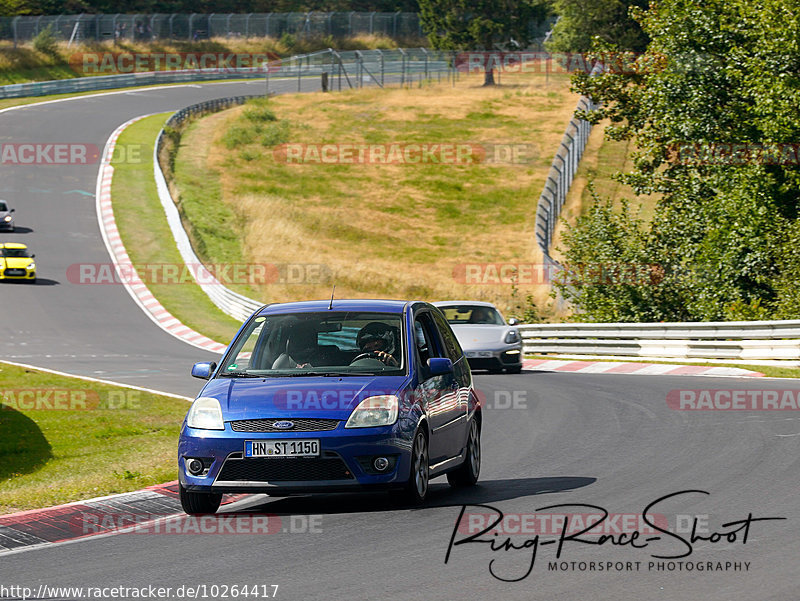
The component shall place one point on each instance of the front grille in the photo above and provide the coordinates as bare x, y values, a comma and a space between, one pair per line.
290, 469
301, 424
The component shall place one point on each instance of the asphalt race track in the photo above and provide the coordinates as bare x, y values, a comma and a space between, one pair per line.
609, 441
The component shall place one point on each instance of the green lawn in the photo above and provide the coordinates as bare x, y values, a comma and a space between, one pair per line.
80, 439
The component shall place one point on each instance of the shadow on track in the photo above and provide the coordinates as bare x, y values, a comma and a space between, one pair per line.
20, 229
439, 495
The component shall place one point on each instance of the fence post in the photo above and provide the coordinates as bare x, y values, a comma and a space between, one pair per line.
350, 23
380, 53
191, 26
402, 67
14, 22
426, 62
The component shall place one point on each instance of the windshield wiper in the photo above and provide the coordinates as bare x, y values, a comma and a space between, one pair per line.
326, 374
239, 374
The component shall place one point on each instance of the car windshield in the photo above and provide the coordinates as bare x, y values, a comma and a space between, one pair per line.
14, 253
321, 343
473, 314
3, 206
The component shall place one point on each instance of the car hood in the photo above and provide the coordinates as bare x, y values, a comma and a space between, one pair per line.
15, 262
316, 397
478, 336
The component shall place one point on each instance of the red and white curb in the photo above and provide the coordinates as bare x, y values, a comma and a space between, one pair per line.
636, 369
101, 516
119, 256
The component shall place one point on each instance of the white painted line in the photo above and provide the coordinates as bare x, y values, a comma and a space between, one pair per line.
88, 379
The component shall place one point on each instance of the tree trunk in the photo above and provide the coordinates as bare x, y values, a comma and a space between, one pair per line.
488, 77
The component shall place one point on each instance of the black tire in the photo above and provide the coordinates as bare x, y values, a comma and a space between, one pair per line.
199, 503
514, 370
468, 472
419, 473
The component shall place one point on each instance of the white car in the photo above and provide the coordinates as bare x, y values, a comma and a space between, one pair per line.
489, 342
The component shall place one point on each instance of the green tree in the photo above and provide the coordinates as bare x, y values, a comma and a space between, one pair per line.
582, 21
716, 77
481, 25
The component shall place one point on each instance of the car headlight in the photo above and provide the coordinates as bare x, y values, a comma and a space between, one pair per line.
7, 218
374, 411
205, 414
512, 337
31, 266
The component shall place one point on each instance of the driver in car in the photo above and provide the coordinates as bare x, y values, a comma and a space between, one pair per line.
377, 340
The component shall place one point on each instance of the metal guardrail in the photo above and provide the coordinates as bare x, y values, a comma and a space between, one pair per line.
109, 82
562, 172
232, 303
374, 65
740, 340
145, 27
559, 179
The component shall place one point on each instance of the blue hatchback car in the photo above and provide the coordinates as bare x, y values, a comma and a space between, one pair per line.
319, 396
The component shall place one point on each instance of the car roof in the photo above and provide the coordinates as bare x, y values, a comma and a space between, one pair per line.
454, 303
16, 245
379, 306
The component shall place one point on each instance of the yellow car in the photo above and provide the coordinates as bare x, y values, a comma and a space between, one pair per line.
16, 263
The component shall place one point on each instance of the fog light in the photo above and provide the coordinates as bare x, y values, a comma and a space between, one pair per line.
195, 466
381, 464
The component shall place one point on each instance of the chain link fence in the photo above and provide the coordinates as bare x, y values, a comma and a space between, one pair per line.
145, 27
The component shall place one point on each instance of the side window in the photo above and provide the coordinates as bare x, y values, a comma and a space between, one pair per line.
451, 346
425, 337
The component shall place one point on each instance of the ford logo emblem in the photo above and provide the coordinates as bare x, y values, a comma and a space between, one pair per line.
284, 425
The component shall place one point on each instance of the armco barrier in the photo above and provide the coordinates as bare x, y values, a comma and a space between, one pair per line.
562, 171
738, 340
232, 303
353, 67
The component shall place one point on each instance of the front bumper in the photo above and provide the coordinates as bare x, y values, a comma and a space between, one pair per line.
341, 465
14, 274
509, 356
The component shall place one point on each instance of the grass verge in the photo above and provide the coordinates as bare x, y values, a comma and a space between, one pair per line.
380, 229
147, 237
90, 439
771, 371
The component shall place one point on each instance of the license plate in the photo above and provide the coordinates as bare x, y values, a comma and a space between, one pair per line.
15, 272
281, 448
475, 354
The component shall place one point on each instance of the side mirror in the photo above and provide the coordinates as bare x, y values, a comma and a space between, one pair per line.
513, 321
439, 366
12, 211
33, 255
203, 370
